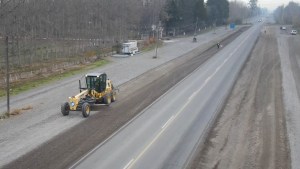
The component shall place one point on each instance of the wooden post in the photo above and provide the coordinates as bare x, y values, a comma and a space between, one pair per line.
7, 74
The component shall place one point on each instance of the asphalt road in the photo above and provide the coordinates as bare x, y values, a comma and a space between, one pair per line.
18, 133
165, 134
66, 147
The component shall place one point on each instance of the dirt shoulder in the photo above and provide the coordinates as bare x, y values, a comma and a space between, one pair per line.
250, 131
289, 51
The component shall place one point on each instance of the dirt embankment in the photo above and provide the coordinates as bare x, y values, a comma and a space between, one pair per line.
250, 131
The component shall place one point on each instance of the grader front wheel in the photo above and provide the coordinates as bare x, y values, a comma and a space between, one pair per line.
86, 110
65, 108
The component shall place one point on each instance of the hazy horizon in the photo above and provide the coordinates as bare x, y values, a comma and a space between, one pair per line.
271, 4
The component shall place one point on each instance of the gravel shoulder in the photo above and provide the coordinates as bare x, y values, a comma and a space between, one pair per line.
250, 131
28, 131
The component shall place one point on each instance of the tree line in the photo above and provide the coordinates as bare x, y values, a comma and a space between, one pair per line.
239, 11
77, 18
119, 19
185, 15
289, 14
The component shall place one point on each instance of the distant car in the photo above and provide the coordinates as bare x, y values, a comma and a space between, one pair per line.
260, 20
294, 32
283, 28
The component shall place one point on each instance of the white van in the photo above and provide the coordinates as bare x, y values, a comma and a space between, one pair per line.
130, 47
294, 32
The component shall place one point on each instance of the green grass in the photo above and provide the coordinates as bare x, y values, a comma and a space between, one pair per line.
2, 92
31, 84
4, 116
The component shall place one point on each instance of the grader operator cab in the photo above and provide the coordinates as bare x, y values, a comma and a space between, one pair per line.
97, 90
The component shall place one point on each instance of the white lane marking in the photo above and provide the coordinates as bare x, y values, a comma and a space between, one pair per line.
145, 149
155, 138
218, 68
128, 164
169, 121
192, 96
184, 106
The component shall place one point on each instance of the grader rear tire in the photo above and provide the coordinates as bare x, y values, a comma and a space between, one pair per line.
65, 108
113, 97
107, 100
86, 110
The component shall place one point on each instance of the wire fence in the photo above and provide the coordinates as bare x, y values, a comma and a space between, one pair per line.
31, 57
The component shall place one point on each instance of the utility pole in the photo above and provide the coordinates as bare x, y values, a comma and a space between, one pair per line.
157, 39
196, 26
7, 74
282, 11
195, 33
154, 57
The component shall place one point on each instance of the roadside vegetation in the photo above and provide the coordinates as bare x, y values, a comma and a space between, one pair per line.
288, 15
37, 81
15, 112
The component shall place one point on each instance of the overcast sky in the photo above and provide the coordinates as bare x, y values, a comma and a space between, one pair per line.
272, 4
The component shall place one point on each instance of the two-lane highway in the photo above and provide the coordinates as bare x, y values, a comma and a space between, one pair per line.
165, 134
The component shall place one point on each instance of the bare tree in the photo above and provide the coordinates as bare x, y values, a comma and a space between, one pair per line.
238, 11
288, 15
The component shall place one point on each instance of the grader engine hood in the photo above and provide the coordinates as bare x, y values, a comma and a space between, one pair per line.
74, 100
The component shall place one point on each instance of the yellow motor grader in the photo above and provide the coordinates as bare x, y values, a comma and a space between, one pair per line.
98, 90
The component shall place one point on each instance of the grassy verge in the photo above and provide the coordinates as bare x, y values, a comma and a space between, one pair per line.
18, 88
15, 112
